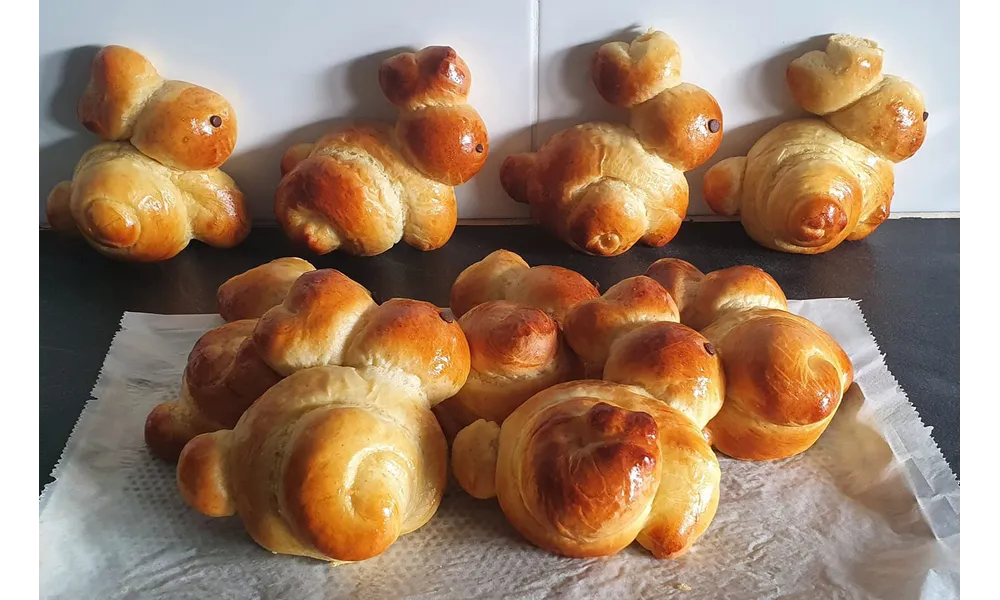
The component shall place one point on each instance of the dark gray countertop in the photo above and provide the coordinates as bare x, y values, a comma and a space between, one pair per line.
906, 275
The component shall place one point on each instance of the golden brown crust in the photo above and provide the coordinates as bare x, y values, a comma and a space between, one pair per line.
785, 378
828, 80
889, 120
252, 293
294, 155
683, 125
145, 200
223, 376
179, 124
586, 467
202, 474
326, 204
511, 315
592, 326
415, 339
516, 351
809, 184
722, 185
592, 470
224, 373
365, 186
436, 75
806, 187
503, 275
328, 319
332, 465
130, 207
602, 188
630, 74
58, 211
599, 189
474, 458
186, 127
675, 364
121, 81
515, 175
704, 298
446, 143
171, 425
325, 318
314, 323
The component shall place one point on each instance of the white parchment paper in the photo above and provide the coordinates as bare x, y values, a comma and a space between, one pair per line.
871, 511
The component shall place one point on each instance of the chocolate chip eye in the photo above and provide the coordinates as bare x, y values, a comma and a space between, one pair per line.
479, 148
710, 349
714, 125
926, 115
215, 120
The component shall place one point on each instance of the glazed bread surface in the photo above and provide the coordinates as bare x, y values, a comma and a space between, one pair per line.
585, 468
342, 454
513, 317
130, 207
327, 464
363, 187
809, 184
784, 375
592, 325
251, 294
325, 319
154, 184
503, 275
601, 187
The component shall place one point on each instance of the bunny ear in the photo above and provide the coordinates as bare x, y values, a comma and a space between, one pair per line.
436, 75
121, 80
630, 74
823, 81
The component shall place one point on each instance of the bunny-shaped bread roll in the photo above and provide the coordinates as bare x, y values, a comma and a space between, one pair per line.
602, 187
335, 462
511, 315
809, 184
584, 468
251, 294
363, 187
784, 376
323, 320
155, 185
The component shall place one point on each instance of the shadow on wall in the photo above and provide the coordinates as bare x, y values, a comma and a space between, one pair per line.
765, 91
57, 160
573, 68
257, 170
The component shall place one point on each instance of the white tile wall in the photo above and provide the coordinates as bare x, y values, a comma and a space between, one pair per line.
292, 68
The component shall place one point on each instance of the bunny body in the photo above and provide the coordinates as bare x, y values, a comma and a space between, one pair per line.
155, 185
809, 184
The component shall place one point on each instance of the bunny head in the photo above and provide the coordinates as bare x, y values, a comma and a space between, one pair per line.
441, 135
680, 122
844, 84
180, 125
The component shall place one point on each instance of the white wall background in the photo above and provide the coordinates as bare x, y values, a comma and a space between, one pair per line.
293, 68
